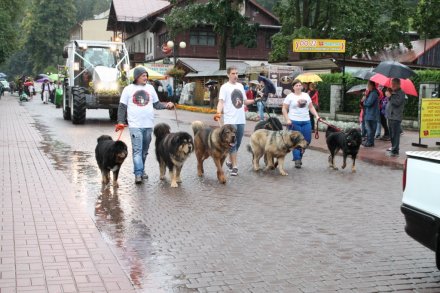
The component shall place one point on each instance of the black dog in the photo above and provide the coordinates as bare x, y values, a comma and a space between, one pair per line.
349, 142
110, 155
272, 123
172, 149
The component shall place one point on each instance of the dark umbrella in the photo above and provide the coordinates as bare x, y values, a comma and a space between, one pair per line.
357, 89
211, 82
394, 69
269, 87
2, 74
364, 74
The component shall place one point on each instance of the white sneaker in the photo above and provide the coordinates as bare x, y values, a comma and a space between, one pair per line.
229, 166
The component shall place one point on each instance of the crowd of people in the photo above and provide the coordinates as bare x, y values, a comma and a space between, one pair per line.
382, 108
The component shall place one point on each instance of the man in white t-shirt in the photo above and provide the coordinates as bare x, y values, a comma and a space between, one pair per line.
231, 101
136, 106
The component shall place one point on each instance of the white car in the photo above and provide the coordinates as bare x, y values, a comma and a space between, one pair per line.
5, 84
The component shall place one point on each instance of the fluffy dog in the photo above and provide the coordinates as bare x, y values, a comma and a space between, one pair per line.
272, 123
110, 155
215, 143
172, 149
349, 142
274, 145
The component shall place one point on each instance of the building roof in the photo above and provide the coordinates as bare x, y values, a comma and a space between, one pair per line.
209, 67
401, 53
135, 10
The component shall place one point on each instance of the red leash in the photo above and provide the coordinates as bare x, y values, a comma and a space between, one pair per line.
326, 123
120, 133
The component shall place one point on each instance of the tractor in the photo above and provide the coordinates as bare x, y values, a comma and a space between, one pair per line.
94, 76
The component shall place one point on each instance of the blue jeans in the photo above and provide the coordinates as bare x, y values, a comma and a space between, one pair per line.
238, 136
140, 141
305, 127
260, 107
378, 128
371, 126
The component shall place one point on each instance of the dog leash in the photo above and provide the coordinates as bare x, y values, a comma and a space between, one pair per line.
326, 123
120, 133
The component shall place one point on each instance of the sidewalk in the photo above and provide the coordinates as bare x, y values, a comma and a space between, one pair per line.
48, 242
375, 155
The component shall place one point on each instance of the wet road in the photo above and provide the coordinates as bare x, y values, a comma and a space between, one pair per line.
314, 230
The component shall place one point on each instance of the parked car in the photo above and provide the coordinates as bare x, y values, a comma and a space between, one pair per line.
421, 200
5, 85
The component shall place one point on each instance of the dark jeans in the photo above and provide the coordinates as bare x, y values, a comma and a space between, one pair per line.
384, 123
395, 128
371, 126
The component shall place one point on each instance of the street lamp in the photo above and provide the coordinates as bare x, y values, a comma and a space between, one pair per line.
182, 45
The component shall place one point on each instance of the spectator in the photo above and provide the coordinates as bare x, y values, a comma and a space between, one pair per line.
371, 112
314, 96
394, 111
213, 96
45, 91
296, 107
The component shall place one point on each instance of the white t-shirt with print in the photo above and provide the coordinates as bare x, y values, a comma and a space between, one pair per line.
298, 106
139, 100
233, 96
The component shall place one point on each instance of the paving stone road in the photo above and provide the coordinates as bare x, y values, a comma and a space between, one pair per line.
316, 230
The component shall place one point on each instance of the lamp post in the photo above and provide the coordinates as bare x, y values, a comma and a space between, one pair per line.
182, 45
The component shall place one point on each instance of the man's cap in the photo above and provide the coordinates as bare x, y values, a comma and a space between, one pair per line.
138, 71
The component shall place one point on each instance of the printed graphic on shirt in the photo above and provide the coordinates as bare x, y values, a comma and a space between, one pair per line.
302, 103
237, 98
141, 98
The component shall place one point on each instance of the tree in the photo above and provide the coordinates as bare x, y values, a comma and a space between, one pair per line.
48, 30
9, 32
223, 15
427, 19
86, 9
268, 4
367, 25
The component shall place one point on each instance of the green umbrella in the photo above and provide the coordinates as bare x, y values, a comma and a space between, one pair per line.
55, 77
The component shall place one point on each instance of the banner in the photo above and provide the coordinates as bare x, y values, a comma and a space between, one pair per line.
319, 45
430, 118
159, 67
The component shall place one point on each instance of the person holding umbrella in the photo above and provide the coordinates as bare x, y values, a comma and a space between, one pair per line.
394, 111
267, 90
371, 112
296, 107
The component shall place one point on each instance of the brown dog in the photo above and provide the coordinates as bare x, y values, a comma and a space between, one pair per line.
274, 145
215, 143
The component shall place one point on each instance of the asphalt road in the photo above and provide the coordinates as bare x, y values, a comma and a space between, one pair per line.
315, 230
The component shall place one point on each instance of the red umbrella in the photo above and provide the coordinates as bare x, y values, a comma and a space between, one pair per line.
406, 85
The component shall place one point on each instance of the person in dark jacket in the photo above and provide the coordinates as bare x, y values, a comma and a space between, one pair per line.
371, 112
394, 111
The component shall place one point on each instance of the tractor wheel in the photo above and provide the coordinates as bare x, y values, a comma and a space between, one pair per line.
66, 108
79, 105
113, 113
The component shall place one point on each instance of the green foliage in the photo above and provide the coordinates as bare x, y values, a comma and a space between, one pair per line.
85, 9
48, 29
222, 15
9, 34
427, 19
268, 4
367, 25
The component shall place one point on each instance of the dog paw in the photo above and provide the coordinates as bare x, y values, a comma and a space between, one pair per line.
284, 173
115, 184
353, 170
162, 177
179, 180
174, 184
335, 168
343, 166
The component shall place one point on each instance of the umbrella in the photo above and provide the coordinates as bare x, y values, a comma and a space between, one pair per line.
42, 79
54, 77
394, 69
308, 77
152, 74
28, 83
211, 82
357, 88
269, 87
2, 75
41, 76
364, 74
405, 84
254, 81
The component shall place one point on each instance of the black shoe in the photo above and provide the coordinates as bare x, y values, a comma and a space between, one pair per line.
298, 164
392, 154
229, 166
144, 176
138, 179
368, 145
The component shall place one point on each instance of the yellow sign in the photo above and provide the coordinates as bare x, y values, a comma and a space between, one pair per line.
430, 118
318, 45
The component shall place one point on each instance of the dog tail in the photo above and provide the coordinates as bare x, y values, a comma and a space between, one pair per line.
104, 137
160, 131
196, 126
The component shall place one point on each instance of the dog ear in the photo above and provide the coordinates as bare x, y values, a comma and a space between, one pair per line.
295, 138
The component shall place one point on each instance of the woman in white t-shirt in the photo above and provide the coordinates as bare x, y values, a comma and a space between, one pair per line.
296, 107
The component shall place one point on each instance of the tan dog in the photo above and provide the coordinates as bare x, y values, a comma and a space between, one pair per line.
274, 145
215, 143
